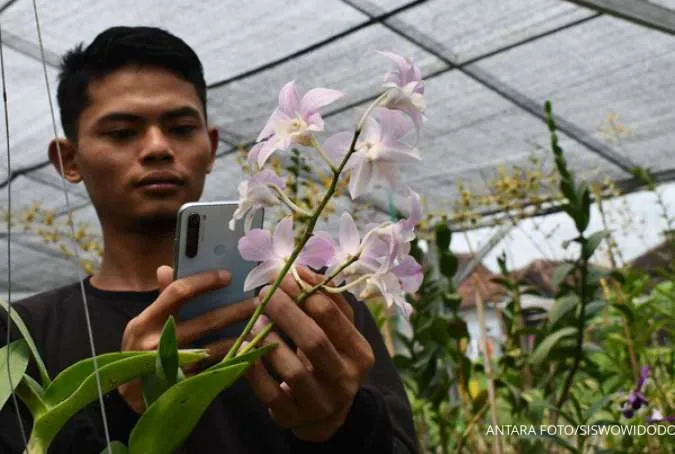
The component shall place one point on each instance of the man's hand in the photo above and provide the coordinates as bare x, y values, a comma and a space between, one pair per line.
143, 332
322, 376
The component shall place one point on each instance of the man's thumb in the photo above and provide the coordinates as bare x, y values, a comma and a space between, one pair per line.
164, 277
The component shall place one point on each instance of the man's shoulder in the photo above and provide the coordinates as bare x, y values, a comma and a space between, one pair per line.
44, 301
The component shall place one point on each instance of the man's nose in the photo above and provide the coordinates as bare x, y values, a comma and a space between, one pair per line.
156, 146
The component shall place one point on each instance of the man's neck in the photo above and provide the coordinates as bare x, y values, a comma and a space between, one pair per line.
130, 259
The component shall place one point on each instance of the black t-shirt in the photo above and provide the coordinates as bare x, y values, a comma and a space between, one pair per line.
236, 422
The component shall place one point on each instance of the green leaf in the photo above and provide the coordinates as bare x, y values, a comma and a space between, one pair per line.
562, 306
168, 352
597, 406
562, 442
504, 282
111, 376
72, 377
457, 328
592, 347
19, 355
115, 447
178, 410
625, 310
25, 333
592, 243
544, 348
577, 409
443, 236
31, 394
452, 301
583, 214
402, 362
594, 308
560, 273
440, 331
166, 367
448, 263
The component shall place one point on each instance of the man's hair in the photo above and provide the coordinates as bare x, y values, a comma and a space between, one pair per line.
117, 48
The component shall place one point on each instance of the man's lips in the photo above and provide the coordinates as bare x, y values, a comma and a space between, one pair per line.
160, 180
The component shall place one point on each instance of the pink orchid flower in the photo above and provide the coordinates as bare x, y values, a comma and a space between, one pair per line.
257, 192
405, 89
293, 121
274, 250
385, 274
389, 286
349, 245
378, 152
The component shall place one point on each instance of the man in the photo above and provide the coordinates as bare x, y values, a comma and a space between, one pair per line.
133, 109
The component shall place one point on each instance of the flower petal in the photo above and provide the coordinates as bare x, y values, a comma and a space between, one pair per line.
265, 151
337, 146
415, 208
317, 98
289, 99
402, 65
409, 272
270, 126
349, 237
318, 252
394, 122
256, 245
252, 156
360, 180
261, 275
283, 242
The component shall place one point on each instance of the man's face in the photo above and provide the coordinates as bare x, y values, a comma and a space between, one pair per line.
143, 146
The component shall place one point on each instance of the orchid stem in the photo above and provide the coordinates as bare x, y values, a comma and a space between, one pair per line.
296, 252
307, 293
289, 203
346, 286
370, 108
323, 155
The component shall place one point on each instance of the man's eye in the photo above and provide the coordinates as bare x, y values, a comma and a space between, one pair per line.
183, 130
121, 134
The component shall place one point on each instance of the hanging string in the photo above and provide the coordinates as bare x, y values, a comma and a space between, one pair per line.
9, 246
72, 229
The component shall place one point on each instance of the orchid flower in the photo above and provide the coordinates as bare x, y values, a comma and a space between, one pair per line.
636, 399
378, 152
405, 89
389, 286
260, 190
374, 271
274, 250
293, 121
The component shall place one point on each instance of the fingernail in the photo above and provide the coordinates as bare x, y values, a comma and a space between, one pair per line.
223, 275
260, 324
243, 346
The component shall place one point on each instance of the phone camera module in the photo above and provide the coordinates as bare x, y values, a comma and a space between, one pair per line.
192, 242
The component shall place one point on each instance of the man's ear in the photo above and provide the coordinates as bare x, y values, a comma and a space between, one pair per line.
213, 138
67, 150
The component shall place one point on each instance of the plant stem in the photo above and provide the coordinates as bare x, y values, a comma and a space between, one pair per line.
580, 337
488, 372
306, 293
296, 252
443, 435
467, 431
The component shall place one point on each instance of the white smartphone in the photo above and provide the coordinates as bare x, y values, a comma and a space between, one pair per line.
204, 242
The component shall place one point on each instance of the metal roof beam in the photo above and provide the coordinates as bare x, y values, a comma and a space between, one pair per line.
640, 12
